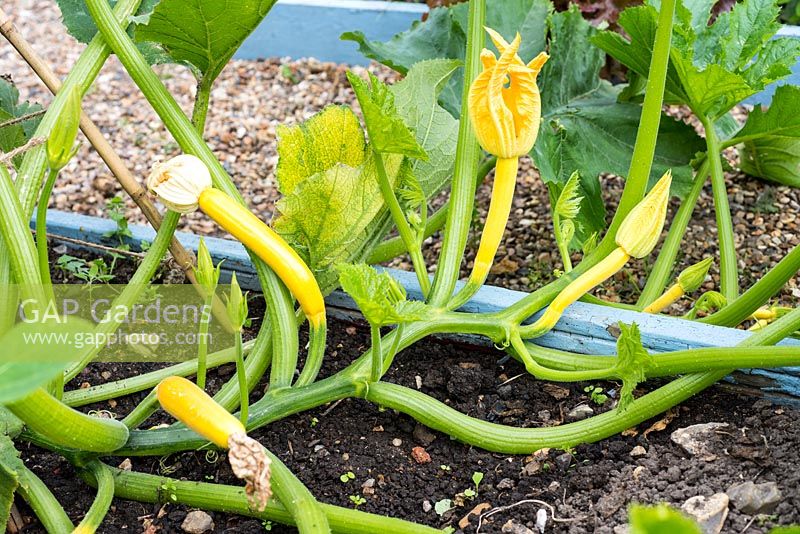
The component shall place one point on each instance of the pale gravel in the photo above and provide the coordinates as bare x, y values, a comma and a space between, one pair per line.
251, 98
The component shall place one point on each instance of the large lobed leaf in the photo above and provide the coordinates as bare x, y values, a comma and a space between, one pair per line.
584, 127
15, 135
332, 210
381, 299
10, 466
76, 17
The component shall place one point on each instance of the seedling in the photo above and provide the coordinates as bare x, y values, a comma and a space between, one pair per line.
596, 394
357, 500
347, 477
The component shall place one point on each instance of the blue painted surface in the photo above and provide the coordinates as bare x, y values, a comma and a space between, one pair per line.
584, 328
311, 28
308, 28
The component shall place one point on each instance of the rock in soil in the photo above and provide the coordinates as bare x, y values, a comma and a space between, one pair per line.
582, 411
754, 499
698, 440
512, 527
709, 512
197, 522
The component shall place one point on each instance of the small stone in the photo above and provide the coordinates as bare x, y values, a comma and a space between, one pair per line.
397, 442
423, 435
579, 412
368, 487
106, 375
638, 451
622, 529
426, 506
126, 465
505, 484
563, 461
197, 522
512, 527
420, 455
755, 499
709, 512
541, 520
696, 439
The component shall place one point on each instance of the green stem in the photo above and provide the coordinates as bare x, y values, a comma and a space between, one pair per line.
591, 299
403, 228
468, 152
316, 353
377, 353
201, 101
661, 272
43, 503
244, 391
41, 226
134, 384
202, 343
759, 293
394, 348
104, 479
133, 290
307, 513
563, 248
67, 427
279, 305
728, 263
231, 499
147, 407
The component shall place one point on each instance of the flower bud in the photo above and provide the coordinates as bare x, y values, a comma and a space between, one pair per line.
641, 228
237, 305
504, 102
61, 142
179, 181
691, 278
207, 275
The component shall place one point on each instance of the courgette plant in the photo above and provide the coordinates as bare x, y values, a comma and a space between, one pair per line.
345, 187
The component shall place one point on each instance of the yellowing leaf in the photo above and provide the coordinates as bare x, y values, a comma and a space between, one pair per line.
381, 299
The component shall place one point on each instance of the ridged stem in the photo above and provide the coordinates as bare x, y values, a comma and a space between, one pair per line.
41, 226
43, 503
104, 479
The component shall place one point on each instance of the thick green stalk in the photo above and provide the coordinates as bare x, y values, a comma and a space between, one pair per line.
201, 101
67, 427
403, 228
316, 353
202, 343
43, 503
307, 513
393, 247
759, 293
41, 226
462, 197
377, 354
104, 479
281, 311
728, 262
126, 386
133, 290
661, 272
241, 373
147, 407
231, 499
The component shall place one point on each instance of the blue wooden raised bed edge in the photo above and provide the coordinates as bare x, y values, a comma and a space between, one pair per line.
311, 28
584, 328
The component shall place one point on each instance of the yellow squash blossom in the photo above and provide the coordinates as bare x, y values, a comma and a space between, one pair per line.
505, 111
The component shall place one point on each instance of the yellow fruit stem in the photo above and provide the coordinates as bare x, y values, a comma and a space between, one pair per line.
196, 409
505, 179
575, 290
666, 300
270, 247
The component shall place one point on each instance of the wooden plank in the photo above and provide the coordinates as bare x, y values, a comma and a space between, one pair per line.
584, 328
311, 28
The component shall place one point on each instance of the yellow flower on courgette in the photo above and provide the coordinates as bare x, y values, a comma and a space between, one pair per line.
504, 102
505, 111
636, 237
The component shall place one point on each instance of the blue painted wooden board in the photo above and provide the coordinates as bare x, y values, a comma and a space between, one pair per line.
311, 28
583, 328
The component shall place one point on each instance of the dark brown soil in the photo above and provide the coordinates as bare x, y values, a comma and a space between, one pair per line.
589, 486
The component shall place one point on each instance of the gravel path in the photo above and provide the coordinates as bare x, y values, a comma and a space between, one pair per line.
252, 97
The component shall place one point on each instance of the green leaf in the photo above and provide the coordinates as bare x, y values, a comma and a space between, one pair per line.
435, 129
569, 202
771, 147
660, 519
632, 362
712, 67
381, 299
332, 136
388, 134
79, 22
10, 466
15, 135
201, 33
10, 424
35, 353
